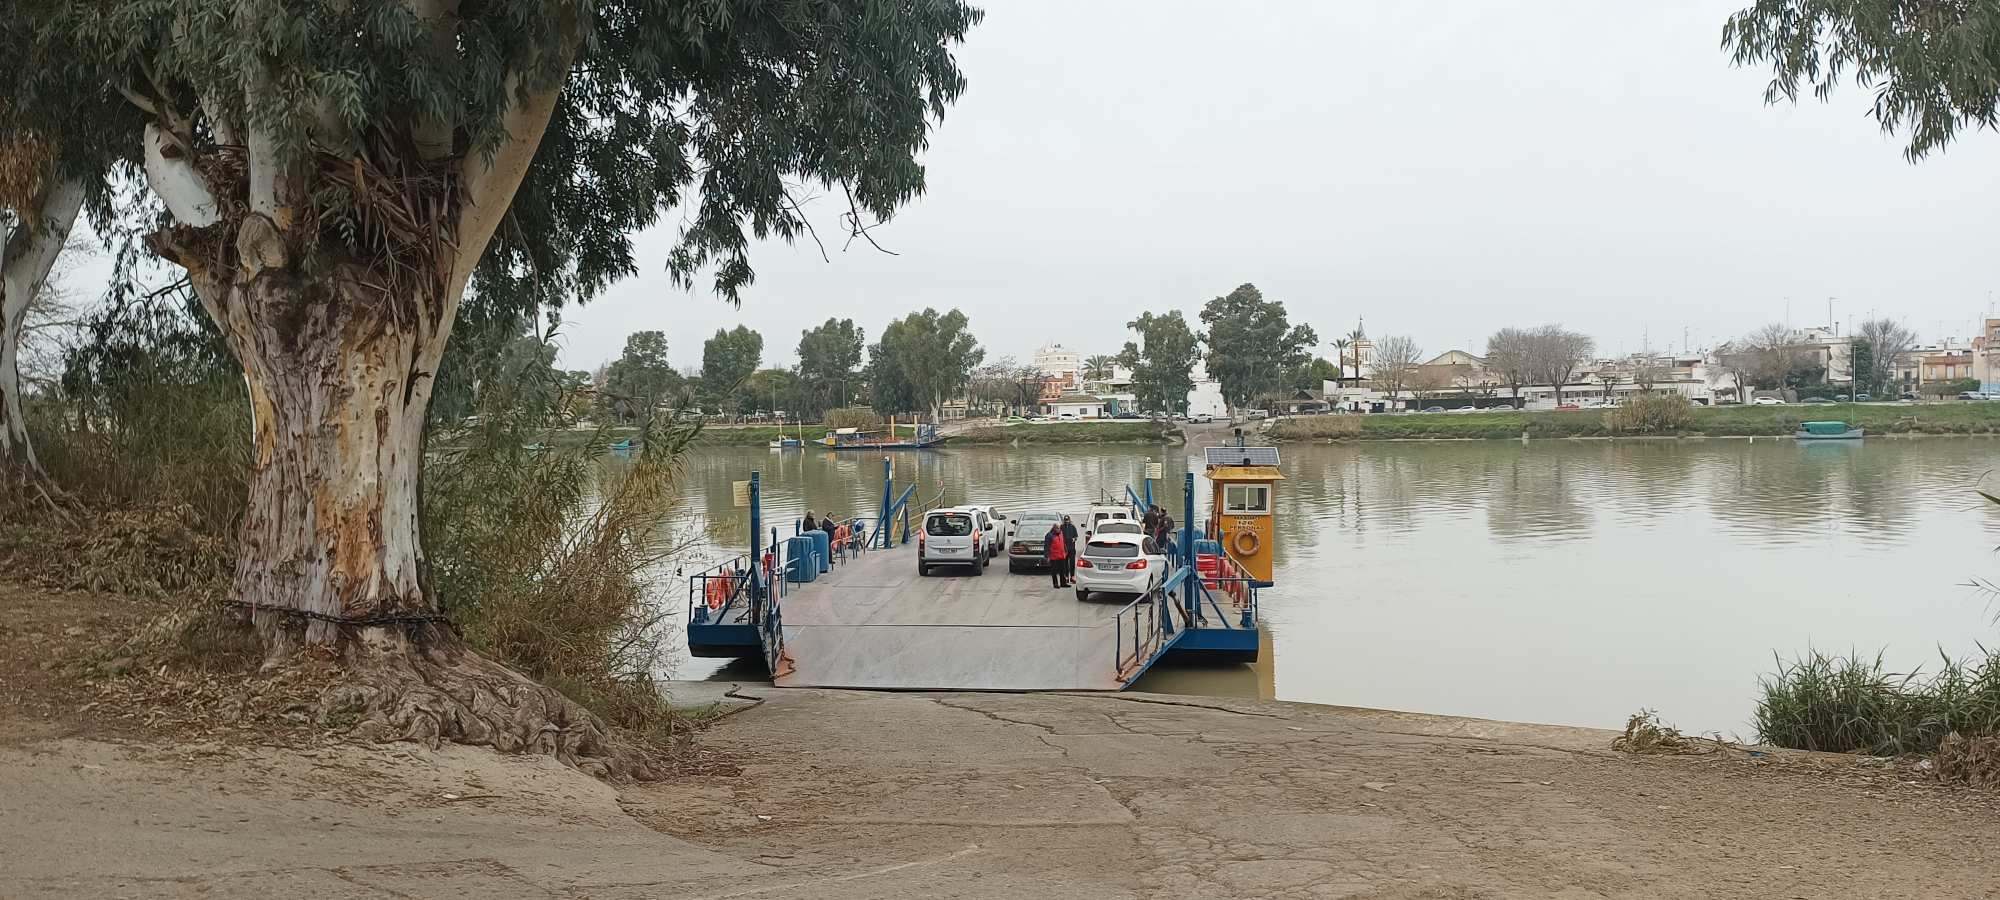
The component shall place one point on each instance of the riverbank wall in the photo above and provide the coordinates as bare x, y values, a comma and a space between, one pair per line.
1718, 422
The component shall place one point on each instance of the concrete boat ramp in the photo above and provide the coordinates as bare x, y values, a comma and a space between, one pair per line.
873, 622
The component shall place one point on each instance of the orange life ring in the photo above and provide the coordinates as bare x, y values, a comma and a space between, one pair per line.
1246, 543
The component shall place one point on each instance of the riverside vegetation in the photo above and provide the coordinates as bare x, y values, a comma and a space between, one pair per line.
1700, 421
540, 557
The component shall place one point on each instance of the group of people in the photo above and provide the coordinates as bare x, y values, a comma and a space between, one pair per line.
831, 526
1059, 546
1157, 525
1059, 552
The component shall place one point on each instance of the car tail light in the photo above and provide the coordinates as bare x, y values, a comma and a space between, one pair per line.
1136, 564
1083, 562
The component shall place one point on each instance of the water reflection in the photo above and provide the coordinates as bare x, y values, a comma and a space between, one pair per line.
1558, 581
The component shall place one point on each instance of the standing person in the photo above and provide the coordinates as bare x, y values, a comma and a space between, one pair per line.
832, 529
1150, 520
1055, 552
1075, 550
1163, 532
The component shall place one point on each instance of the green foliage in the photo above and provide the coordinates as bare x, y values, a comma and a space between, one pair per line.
1849, 704
1934, 68
767, 391
722, 108
829, 364
1163, 361
852, 417
1651, 414
726, 360
1251, 345
544, 556
638, 381
1314, 374
1861, 361
1144, 432
921, 359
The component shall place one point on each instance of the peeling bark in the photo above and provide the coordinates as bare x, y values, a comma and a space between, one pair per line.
27, 255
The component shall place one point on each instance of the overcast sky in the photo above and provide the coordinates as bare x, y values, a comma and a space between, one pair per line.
1437, 169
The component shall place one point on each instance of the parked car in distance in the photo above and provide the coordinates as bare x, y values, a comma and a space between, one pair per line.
1202, 419
953, 537
1128, 415
1100, 514
1972, 395
1116, 526
1024, 540
1256, 414
1863, 398
1126, 564
1907, 396
995, 527
1567, 406
1433, 409
1767, 401
1816, 400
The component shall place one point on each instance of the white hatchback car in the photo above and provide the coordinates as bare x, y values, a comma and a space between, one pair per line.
1767, 401
955, 536
1119, 564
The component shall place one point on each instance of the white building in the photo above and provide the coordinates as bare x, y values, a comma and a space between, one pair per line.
1057, 361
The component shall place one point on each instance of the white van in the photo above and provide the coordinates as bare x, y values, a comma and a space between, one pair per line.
1102, 514
955, 536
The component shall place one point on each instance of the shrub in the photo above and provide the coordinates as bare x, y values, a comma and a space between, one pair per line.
1314, 428
1651, 414
852, 417
545, 556
1849, 704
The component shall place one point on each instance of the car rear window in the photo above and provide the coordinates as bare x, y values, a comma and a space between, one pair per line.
954, 525
1111, 551
1118, 526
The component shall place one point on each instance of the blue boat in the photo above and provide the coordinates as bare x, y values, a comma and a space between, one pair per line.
920, 437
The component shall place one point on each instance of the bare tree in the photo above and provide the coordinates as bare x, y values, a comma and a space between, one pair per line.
1887, 341
1397, 358
1510, 354
1558, 353
1430, 382
1648, 373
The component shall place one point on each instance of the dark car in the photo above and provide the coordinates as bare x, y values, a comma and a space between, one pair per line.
1024, 544
1128, 415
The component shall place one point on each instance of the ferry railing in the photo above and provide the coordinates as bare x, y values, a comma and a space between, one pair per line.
715, 592
1138, 634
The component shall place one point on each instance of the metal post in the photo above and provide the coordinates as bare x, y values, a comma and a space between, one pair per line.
1193, 598
756, 543
888, 481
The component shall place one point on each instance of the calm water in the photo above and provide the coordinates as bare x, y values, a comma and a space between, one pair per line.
1560, 582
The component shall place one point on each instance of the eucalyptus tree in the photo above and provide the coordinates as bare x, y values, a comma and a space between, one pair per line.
1162, 361
1933, 68
338, 175
1252, 346
59, 146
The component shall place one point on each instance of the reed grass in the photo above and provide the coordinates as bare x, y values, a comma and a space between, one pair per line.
1852, 704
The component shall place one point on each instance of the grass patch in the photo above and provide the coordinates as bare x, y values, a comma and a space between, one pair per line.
1851, 704
1147, 432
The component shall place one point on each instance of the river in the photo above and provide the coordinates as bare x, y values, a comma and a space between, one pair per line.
1562, 582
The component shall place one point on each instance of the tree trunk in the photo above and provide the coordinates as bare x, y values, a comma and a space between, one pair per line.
27, 254
338, 391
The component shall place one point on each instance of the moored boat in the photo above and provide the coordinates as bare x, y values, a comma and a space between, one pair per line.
1827, 431
920, 437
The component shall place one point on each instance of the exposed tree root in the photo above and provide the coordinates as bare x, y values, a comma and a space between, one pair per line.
424, 685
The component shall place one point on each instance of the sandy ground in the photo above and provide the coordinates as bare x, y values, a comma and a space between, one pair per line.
849, 795
109, 789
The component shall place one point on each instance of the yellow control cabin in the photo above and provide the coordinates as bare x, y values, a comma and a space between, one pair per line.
1244, 483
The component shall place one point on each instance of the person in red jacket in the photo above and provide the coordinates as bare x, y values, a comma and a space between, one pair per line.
1055, 552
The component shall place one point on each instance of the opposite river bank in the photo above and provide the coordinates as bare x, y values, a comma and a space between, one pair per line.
1721, 421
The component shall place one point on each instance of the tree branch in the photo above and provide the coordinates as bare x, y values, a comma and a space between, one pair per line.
172, 176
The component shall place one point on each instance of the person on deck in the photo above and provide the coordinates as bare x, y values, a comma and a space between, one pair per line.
1055, 552
832, 529
809, 524
1163, 529
1075, 549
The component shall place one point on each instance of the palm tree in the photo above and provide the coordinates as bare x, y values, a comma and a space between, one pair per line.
1340, 345
1097, 367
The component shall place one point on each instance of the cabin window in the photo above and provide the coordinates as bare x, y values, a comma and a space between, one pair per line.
1246, 499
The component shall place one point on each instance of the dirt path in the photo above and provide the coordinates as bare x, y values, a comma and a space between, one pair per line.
851, 795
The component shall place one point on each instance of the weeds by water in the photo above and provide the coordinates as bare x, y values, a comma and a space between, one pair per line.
1852, 704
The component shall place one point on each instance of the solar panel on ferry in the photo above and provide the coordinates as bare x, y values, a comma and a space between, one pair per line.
1242, 456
